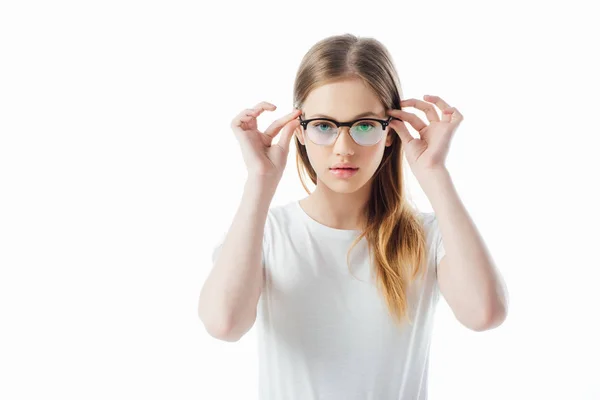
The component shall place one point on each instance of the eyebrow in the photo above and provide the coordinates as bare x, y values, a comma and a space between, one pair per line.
365, 114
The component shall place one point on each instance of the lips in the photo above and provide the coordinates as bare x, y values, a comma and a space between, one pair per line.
343, 165
344, 173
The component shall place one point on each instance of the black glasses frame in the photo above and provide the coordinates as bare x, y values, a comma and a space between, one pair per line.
384, 122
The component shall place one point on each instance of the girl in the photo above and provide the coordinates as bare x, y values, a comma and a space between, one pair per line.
343, 284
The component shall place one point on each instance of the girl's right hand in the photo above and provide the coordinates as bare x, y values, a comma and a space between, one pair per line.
263, 158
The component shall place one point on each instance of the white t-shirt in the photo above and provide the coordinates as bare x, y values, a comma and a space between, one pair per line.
324, 334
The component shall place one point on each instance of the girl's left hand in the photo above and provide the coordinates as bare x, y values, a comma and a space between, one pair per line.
429, 151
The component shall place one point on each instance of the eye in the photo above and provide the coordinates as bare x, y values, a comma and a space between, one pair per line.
365, 126
322, 126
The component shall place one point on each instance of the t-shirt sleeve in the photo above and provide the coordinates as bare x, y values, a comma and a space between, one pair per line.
438, 242
435, 239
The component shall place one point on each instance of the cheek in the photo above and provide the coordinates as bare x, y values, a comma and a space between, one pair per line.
375, 153
316, 156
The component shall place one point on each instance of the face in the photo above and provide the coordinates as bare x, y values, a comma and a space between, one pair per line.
343, 101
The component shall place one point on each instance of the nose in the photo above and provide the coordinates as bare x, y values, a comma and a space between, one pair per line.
344, 143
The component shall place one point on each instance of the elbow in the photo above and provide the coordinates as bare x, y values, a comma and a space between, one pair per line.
215, 327
226, 330
226, 336
220, 331
494, 320
494, 313
223, 324
492, 317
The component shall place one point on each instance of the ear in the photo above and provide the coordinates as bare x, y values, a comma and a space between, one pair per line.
298, 132
390, 137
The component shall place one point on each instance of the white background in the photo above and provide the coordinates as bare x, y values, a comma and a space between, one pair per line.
119, 173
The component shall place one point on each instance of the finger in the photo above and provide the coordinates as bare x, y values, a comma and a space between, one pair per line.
452, 115
265, 105
251, 114
286, 135
254, 112
276, 126
449, 114
437, 101
401, 130
412, 119
244, 116
247, 118
430, 111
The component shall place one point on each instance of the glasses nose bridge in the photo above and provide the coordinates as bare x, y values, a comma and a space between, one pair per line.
340, 125
339, 131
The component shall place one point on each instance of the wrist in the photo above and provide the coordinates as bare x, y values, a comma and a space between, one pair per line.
261, 184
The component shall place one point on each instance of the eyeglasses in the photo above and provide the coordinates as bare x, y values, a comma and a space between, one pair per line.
364, 131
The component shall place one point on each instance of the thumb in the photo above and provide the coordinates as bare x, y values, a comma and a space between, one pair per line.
286, 134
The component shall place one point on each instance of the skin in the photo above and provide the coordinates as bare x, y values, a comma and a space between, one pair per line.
337, 202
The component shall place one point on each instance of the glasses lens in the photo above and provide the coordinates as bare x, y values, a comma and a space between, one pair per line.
321, 132
367, 132
364, 132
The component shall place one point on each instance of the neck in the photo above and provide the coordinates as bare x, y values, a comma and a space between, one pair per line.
337, 210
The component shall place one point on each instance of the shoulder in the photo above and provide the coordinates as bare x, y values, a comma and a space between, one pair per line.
428, 219
425, 216
433, 235
430, 227
281, 215
282, 210
279, 218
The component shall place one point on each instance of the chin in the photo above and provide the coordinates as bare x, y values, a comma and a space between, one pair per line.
343, 189
345, 186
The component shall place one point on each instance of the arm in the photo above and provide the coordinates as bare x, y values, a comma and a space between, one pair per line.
230, 294
467, 276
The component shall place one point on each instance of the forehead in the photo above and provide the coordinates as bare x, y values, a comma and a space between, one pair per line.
342, 100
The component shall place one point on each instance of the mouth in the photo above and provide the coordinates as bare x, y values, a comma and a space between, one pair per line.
343, 172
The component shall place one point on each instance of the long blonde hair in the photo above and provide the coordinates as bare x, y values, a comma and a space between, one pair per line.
394, 233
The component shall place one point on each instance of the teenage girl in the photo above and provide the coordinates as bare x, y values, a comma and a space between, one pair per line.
342, 284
